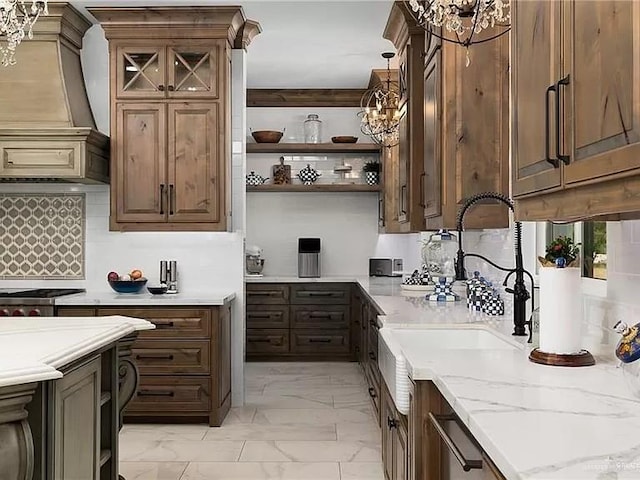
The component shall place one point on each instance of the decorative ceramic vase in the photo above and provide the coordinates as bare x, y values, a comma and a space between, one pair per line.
492, 304
443, 291
253, 179
372, 178
312, 129
628, 349
308, 175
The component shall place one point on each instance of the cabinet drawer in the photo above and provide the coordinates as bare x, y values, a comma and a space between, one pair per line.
268, 316
169, 356
169, 322
265, 294
320, 316
176, 394
320, 341
267, 341
320, 293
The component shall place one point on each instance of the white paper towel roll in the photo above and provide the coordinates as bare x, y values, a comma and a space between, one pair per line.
560, 310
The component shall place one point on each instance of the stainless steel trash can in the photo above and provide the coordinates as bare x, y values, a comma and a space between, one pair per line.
308, 257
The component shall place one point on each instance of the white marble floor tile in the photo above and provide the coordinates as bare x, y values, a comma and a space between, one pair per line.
289, 368
359, 432
239, 415
152, 470
306, 416
262, 471
132, 450
351, 399
153, 432
287, 451
361, 471
290, 400
354, 378
255, 431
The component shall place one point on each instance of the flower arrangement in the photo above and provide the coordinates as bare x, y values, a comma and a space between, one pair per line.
561, 247
371, 167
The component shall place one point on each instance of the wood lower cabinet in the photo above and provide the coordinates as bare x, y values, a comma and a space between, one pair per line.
299, 321
395, 453
170, 114
576, 140
184, 364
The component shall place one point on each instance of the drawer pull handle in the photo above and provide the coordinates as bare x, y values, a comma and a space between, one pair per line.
264, 315
372, 392
392, 423
265, 293
320, 294
159, 356
373, 324
259, 340
372, 356
155, 393
164, 325
436, 421
319, 340
321, 315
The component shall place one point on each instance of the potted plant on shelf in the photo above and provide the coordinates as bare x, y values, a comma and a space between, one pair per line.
371, 173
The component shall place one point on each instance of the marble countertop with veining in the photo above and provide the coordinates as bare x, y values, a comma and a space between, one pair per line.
33, 349
111, 298
534, 421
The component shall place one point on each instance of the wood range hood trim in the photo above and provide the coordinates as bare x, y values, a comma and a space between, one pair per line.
46, 115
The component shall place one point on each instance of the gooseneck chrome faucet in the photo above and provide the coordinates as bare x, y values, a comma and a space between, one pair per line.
519, 290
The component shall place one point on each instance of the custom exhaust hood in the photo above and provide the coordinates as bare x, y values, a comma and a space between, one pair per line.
47, 129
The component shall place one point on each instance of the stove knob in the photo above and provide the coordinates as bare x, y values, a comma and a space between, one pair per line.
18, 313
35, 313
4, 312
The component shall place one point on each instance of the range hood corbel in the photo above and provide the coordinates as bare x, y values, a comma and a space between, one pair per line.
47, 129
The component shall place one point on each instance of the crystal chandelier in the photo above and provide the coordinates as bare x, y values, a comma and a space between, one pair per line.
380, 117
462, 19
17, 18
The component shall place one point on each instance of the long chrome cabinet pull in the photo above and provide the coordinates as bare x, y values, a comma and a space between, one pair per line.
436, 421
566, 159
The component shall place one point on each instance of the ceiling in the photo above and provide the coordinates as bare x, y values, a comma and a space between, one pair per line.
305, 43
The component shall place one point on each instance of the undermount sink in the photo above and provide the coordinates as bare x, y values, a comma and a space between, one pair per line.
451, 339
392, 363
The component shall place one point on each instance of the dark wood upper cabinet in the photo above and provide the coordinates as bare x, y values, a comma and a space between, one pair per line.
577, 103
170, 114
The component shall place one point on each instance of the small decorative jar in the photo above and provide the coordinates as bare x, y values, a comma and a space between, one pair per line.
312, 129
253, 179
439, 255
628, 351
308, 175
492, 304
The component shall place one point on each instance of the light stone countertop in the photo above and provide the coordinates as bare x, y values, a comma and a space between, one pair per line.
111, 298
535, 422
33, 349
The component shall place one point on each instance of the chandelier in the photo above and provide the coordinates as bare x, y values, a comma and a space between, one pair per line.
17, 18
462, 20
380, 117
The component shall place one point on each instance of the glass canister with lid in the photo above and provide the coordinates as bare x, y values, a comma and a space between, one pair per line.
312, 129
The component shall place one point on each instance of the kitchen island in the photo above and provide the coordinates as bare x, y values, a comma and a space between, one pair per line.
63, 383
529, 421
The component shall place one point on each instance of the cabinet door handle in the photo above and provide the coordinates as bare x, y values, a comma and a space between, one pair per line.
547, 147
161, 88
152, 356
566, 159
372, 392
381, 211
372, 356
155, 393
403, 202
392, 423
436, 421
162, 199
319, 340
422, 177
163, 325
172, 199
171, 88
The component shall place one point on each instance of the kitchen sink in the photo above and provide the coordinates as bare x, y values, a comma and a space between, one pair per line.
392, 363
451, 339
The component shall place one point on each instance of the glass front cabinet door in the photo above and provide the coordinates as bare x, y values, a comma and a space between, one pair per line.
193, 72
140, 72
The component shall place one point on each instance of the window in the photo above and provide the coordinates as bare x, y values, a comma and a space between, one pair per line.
592, 237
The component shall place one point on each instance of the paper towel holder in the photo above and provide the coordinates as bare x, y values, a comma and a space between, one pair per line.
581, 359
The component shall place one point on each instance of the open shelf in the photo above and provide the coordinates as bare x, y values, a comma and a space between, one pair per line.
316, 188
312, 148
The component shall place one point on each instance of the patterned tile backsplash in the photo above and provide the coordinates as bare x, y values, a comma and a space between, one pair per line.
42, 236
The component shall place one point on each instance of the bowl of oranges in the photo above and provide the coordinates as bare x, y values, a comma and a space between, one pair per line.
132, 282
